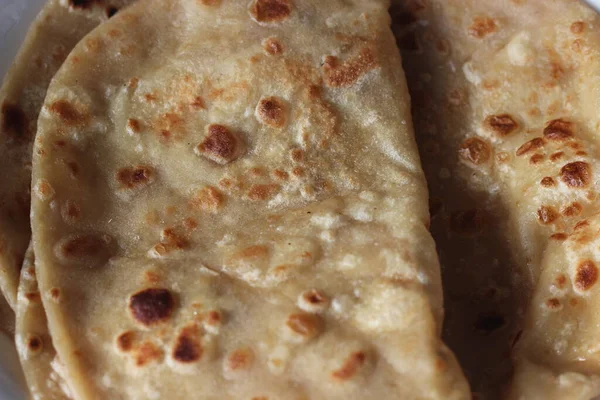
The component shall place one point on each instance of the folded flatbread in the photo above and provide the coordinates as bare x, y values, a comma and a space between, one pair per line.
56, 30
228, 203
506, 97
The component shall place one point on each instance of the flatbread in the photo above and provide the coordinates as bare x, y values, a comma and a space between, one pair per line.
44, 373
506, 95
228, 203
56, 30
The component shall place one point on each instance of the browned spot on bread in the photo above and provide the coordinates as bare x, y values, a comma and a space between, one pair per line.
135, 177
125, 341
55, 294
553, 303
272, 46
70, 212
345, 74
533, 144
190, 224
547, 181
475, 151
547, 215
68, 113
577, 27
208, 199
586, 275
558, 130
34, 344
576, 174
210, 2
271, 111
146, 353
572, 210
256, 251
467, 222
268, 11
198, 103
32, 296
556, 156
313, 301
305, 326
350, 367
536, 158
133, 126
581, 224
14, 122
573, 302
482, 26
281, 175
239, 359
92, 249
502, 124
151, 277
263, 191
220, 145
560, 280
188, 346
298, 171
151, 306
297, 155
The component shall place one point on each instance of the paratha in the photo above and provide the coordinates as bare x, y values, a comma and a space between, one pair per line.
56, 30
43, 371
227, 202
505, 96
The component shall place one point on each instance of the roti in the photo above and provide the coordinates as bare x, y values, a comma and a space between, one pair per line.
228, 203
56, 30
505, 102
44, 373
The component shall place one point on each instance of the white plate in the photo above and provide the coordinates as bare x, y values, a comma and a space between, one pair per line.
15, 18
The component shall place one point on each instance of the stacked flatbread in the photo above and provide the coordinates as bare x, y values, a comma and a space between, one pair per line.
505, 96
228, 203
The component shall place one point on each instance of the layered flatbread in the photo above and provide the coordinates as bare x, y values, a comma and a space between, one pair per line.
506, 97
228, 203
56, 30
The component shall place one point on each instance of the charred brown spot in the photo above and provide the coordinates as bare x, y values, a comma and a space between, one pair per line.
92, 249
135, 177
467, 222
586, 275
133, 126
55, 294
280, 174
146, 353
572, 210
489, 322
268, 11
220, 145
188, 347
475, 150
536, 158
533, 144
547, 215
577, 27
71, 212
581, 224
263, 191
68, 113
558, 130
553, 303
502, 124
151, 306
315, 297
32, 296
14, 122
34, 344
125, 341
240, 359
350, 367
576, 174
345, 74
482, 26
208, 199
304, 325
273, 46
271, 111
547, 182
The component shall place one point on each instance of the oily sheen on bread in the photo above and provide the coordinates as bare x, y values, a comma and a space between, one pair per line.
56, 30
505, 96
228, 203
